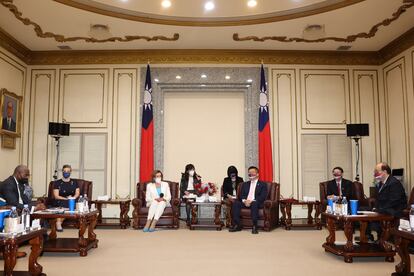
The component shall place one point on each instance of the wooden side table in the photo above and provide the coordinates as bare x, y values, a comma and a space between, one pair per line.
87, 221
9, 246
123, 221
288, 222
206, 223
402, 241
362, 248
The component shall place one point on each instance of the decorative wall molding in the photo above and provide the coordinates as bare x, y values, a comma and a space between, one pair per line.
350, 38
108, 10
61, 38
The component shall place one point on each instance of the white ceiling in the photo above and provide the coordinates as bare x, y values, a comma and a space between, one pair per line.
68, 21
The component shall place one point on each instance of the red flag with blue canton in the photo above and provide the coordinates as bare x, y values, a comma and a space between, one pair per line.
146, 159
265, 140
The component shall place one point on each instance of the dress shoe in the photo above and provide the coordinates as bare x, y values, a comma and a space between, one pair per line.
235, 228
254, 230
21, 254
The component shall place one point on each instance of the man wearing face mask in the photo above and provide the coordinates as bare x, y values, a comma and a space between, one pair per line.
13, 188
339, 186
252, 196
391, 198
231, 182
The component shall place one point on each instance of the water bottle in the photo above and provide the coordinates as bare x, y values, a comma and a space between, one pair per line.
80, 205
344, 206
13, 213
86, 203
412, 217
26, 217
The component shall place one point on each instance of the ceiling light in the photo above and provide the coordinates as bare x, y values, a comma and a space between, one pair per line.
124, 1
209, 6
203, 76
156, 80
249, 80
166, 3
252, 3
314, 32
99, 31
178, 77
227, 77
202, 85
247, 85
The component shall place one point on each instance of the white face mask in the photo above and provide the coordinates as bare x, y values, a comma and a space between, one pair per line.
158, 180
191, 173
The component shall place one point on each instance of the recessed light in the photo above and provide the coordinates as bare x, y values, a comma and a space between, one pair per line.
249, 80
209, 6
124, 1
178, 77
202, 85
247, 85
252, 3
166, 3
203, 76
156, 80
227, 77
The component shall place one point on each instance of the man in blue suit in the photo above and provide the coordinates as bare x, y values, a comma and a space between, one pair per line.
253, 195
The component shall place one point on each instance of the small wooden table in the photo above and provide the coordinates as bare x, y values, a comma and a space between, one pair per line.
205, 222
362, 248
123, 221
286, 209
402, 241
70, 245
9, 246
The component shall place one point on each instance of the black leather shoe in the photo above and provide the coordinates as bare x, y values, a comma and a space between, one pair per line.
254, 230
235, 228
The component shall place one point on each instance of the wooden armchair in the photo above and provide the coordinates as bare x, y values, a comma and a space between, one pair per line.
358, 193
169, 218
268, 215
406, 211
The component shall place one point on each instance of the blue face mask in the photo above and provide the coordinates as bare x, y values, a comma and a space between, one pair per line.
66, 174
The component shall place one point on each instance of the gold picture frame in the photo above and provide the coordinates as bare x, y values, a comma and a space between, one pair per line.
11, 113
8, 142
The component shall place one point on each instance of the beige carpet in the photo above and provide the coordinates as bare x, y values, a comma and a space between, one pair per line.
205, 253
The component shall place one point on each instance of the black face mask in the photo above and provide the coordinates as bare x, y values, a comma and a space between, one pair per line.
24, 181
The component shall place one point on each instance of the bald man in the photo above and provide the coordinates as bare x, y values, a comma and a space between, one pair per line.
8, 122
12, 189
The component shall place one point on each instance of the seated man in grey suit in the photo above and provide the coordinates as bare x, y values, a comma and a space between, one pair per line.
253, 195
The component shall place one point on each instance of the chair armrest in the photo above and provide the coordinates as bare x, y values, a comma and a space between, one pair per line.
175, 202
371, 202
137, 203
269, 204
42, 199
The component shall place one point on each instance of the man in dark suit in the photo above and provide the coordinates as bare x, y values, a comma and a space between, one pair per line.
13, 188
8, 122
391, 198
339, 186
252, 196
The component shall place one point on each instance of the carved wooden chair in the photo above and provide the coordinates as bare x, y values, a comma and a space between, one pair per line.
268, 215
169, 218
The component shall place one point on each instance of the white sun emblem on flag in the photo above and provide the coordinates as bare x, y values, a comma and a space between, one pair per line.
147, 98
264, 103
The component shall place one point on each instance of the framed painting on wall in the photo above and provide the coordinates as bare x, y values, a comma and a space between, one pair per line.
11, 113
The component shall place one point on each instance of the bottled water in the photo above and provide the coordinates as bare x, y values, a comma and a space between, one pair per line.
13, 213
26, 217
86, 203
412, 217
80, 204
344, 206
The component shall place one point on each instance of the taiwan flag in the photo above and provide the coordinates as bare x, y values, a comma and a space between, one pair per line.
146, 159
265, 141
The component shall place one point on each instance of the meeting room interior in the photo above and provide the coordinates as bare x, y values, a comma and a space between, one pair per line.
207, 137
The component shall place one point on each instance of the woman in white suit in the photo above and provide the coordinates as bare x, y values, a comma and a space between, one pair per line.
158, 197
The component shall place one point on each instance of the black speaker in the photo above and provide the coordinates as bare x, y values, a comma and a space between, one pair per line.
59, 129
353, 130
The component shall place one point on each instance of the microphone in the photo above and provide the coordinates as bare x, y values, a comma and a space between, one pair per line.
161, 195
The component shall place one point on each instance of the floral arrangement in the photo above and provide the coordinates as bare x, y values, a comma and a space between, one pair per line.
204, 188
